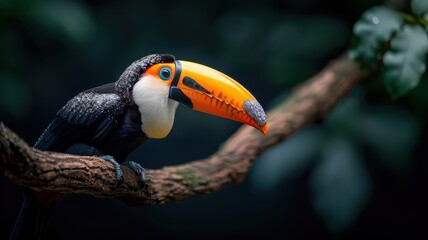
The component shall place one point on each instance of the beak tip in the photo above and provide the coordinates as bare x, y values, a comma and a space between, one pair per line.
264, 129
256, 112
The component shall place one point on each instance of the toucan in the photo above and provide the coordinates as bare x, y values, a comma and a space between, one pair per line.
112, 120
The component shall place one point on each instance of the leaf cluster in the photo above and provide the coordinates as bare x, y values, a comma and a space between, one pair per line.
395, 41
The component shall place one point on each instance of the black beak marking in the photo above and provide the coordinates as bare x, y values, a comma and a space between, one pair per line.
178, 95
175, 93
177, 73
188, 81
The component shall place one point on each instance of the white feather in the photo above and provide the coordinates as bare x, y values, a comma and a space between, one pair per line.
156, 109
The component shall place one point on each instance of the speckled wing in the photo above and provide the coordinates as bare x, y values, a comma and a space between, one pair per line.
88, 117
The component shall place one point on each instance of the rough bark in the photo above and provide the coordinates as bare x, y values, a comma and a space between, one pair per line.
57, 172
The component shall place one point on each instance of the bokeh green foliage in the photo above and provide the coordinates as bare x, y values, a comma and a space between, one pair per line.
30, 31
335, 156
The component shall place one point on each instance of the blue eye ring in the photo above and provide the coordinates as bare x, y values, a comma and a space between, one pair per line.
165, 73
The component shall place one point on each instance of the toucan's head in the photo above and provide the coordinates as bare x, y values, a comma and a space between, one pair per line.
198, 87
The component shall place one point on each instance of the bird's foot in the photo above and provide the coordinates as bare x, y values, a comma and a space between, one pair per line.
139, 170
119, 173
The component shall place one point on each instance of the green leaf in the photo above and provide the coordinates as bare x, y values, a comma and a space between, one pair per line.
420, 8
344, 118
405, 62
391, 134
287, 160
371, 32
340, 185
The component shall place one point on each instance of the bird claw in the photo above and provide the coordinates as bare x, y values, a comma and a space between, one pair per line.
119, 173
139, 170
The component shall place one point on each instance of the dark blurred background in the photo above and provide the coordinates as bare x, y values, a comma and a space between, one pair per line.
360, 173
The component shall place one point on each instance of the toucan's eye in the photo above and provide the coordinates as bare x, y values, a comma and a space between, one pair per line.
165, 73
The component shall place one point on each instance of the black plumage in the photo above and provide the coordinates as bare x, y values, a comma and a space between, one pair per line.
95, 122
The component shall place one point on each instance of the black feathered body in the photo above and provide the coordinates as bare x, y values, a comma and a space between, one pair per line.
95, 122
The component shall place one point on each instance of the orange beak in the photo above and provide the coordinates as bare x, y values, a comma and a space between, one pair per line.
210, 91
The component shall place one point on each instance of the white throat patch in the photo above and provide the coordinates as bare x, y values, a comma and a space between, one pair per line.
156, 109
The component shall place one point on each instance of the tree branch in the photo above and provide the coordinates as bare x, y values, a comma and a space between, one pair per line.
57, 172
